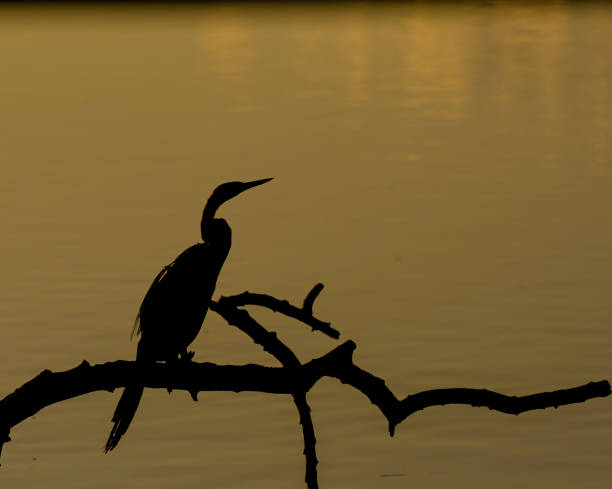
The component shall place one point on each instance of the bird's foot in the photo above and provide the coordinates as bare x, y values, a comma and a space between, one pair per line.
173, 362
187, 355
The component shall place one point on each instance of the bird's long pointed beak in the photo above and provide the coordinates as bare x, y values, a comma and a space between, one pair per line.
240, 187
225, 192
248, 185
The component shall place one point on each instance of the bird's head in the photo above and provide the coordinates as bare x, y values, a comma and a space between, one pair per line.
221, 194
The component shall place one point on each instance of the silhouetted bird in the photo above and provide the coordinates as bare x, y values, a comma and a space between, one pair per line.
172, 311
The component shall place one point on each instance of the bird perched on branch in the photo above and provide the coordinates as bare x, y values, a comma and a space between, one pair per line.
172, 311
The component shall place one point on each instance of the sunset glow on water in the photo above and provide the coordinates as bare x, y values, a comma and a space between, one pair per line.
445, 171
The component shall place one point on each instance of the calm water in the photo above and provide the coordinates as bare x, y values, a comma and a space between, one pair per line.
446, 171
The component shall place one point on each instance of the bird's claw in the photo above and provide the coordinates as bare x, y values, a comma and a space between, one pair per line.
187, 355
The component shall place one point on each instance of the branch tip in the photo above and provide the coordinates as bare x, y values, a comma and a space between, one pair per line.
310, 298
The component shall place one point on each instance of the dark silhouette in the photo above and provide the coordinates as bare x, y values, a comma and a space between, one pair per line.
174, 308
171, 316
294, 378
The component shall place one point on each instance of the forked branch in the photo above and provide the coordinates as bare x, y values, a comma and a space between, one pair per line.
293, 378
227, 307
51, 387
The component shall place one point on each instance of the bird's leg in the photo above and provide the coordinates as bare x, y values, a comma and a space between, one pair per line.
183, 356
186, 356
171, 363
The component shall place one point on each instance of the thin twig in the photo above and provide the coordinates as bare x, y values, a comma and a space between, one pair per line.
500, 402
228, 308
240, 318
310, 298
303, 314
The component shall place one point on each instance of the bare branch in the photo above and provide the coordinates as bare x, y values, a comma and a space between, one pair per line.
379, 394
260, 335
49, 388
499, 402
293, 378
4, 437
310, 298
310, 440
271, 344
303, 314
396, 411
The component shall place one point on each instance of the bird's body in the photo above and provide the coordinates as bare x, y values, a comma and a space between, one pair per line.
174, 307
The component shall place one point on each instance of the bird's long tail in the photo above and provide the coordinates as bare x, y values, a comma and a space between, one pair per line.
124, 413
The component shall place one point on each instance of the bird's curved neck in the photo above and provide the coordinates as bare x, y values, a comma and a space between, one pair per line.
219, 241
217, 233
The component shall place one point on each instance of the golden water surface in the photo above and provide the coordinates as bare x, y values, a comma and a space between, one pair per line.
445, 171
